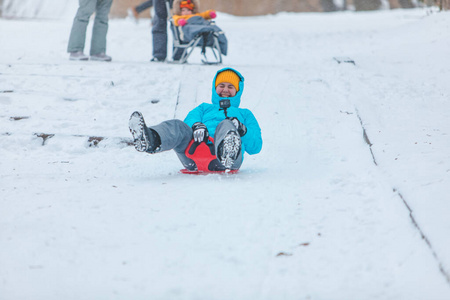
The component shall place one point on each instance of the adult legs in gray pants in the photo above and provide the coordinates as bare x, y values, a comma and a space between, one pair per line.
78, 33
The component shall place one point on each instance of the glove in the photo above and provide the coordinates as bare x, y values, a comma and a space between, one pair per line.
212, 14
182, 22
199, 132
242, 130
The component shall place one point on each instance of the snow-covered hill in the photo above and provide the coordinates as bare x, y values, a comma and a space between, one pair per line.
43, 9
347, 200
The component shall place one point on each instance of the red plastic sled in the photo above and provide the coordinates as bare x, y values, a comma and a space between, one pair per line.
203, 154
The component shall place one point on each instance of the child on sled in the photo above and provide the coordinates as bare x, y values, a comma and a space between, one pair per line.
190, 23
235, 134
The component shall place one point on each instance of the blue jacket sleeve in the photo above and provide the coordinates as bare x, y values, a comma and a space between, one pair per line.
195, 115
252, 140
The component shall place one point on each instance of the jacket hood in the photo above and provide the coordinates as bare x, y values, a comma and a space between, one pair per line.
234, 101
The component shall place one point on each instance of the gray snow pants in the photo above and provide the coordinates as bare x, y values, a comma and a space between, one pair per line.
176, 135
77, 37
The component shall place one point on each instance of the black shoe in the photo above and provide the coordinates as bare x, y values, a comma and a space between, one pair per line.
145, 140
155, 59
229, 149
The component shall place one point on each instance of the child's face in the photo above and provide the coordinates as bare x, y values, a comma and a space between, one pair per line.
226, 89
185, 11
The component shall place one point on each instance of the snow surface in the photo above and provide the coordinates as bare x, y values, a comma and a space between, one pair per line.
349, 198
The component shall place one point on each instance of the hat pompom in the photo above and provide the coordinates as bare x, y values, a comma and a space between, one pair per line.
187, 4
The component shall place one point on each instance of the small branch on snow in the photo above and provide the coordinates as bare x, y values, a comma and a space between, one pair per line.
284, 254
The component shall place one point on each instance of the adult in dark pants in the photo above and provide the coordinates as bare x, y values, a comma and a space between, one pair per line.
159, 32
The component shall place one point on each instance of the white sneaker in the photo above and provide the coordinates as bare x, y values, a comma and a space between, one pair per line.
78, 55
154, 59
100, 57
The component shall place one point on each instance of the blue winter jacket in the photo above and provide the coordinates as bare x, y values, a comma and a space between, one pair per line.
211, 116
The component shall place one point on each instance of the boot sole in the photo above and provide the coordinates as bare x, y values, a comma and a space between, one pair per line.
231, 147
136, 125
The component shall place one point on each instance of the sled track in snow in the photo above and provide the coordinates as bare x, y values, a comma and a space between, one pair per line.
424, 237
405, 202
366, 137
178, 95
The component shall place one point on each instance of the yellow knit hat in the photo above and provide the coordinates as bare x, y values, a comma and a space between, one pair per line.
228, 76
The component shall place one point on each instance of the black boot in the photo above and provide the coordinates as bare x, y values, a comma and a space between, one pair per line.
145, 139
